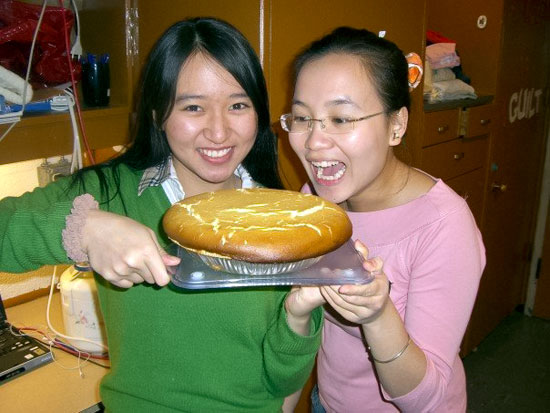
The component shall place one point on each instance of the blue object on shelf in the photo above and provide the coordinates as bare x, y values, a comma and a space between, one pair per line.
54, 104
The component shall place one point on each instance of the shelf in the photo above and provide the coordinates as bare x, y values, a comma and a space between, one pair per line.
42, 136
461, 103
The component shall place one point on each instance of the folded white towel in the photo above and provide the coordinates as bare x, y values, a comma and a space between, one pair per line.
451, 90
439, 75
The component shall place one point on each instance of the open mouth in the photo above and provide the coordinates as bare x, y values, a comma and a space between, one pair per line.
329, 170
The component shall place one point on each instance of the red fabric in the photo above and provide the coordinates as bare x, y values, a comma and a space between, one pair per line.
436, 37
18, 22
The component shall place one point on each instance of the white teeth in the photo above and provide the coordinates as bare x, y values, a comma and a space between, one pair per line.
334, 177
215, 154
324, 164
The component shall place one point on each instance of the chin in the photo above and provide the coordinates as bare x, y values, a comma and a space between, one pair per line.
330, 193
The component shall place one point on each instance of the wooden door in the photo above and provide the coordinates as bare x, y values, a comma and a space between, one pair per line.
515, 167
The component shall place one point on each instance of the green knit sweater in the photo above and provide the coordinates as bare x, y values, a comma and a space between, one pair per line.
171, 349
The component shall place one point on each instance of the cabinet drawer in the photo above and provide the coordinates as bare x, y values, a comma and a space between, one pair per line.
470, 186
479, 120
440, 126
454, 158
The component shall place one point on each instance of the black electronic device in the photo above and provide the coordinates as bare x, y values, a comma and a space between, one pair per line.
19, 353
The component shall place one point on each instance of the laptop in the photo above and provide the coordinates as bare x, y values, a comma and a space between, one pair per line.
18, 354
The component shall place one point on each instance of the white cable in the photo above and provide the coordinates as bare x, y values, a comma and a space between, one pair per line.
103, 346
76, 161
76, 50
35, 35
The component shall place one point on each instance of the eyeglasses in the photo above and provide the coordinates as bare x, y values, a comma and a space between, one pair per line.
330, 124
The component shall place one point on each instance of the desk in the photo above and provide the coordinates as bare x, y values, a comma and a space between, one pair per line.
50, 388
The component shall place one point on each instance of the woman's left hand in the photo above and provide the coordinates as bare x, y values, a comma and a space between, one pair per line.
360, 304
299, 304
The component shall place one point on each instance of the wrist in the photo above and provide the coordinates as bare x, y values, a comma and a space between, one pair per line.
300, 324
377, 323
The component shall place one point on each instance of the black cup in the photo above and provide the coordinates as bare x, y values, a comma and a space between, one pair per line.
96, 83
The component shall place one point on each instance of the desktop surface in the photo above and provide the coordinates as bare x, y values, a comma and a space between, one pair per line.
57, 386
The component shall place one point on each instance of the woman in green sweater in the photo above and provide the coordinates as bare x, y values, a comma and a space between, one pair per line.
202, 125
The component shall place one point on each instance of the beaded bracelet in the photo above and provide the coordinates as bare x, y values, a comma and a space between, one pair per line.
395, 356
72, 234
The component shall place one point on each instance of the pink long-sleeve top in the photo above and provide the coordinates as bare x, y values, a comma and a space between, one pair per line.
434, 256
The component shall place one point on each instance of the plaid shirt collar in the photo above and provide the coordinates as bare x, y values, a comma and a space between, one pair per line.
156, 175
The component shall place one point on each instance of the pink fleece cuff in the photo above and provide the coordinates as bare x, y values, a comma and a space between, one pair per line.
72, 234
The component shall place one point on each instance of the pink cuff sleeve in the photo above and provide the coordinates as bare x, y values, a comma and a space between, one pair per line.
72, 234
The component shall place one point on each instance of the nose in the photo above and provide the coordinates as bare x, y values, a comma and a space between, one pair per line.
317, 138
217, 128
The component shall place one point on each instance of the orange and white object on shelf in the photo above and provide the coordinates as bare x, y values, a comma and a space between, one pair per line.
415, 69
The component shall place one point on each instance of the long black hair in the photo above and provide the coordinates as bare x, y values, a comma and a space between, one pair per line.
385, 63
228, 47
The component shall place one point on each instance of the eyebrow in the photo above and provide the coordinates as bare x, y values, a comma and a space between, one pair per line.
331, 103
184, 97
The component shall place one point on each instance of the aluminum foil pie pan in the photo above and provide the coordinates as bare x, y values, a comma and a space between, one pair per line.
254, 268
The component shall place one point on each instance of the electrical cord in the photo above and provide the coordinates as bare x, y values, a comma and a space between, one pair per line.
76, 160
46, 339
75, 91
53, 342
76, 50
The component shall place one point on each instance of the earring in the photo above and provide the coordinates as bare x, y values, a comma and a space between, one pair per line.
396, 135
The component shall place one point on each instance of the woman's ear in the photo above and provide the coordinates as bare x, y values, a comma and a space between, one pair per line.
398, 126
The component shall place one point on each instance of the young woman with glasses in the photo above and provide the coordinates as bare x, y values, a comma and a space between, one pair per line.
391, 345
202, 125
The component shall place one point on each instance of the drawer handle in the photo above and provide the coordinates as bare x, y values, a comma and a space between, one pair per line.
458, 156
485, 121
443, 129
498, 187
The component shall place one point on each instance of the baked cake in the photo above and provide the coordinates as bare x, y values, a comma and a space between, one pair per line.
257, 225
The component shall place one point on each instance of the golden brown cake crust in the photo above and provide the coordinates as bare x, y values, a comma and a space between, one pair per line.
258, 225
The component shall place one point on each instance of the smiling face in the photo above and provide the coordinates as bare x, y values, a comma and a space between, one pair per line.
212, 126
354, 166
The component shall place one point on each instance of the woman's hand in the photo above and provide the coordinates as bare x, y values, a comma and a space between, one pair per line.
123, 251
360, 304
299, 304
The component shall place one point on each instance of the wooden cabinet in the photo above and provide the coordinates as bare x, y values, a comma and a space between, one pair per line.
440, 127
477, 121
450, 159
455, 149
471, 187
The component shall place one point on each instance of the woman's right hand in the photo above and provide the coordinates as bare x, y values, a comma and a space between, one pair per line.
362, 303
123, 251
